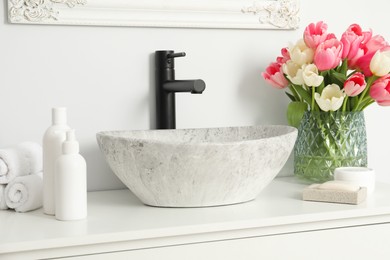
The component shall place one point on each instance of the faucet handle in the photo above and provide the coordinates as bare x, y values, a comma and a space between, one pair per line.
176, 55
165, 58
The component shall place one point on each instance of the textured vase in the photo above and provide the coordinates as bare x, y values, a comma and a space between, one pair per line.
327, 140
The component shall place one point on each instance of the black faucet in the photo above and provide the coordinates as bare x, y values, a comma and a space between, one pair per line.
167, 86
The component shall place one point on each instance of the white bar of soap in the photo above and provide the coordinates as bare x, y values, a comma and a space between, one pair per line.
339, 186
335, 192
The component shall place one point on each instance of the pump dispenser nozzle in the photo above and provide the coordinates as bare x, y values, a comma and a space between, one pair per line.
70, 145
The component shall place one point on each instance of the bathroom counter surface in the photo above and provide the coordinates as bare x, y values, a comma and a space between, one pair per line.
117, 219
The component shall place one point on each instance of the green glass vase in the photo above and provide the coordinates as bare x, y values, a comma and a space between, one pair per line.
327, 140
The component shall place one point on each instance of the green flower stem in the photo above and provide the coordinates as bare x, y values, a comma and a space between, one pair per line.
345, 103
368, 98
367, 104
313, 91
362, 96
328, 144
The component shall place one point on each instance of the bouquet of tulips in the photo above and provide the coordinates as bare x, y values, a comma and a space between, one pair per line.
323, 73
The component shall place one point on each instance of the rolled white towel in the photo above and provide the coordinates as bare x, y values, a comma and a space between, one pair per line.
3, 205
19, 160
24, 193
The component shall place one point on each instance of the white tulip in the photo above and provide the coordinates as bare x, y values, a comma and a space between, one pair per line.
293, 72
380, 63
331, 98
310, 75
300, 53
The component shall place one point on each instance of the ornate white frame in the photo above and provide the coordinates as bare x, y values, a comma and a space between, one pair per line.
247, 14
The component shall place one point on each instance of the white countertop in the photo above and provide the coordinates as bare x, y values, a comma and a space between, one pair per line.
118, 217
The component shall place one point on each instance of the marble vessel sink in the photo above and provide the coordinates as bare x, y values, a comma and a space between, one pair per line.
197, 167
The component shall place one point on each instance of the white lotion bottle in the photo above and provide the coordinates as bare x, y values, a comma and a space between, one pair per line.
52, 149
71, 181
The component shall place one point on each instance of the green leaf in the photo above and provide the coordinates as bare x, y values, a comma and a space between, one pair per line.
344, 67
295, 111
340, 76
303, 93
294, 92
291, 96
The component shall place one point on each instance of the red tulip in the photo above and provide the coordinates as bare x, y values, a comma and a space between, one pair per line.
274, 76
355, 84
285, 56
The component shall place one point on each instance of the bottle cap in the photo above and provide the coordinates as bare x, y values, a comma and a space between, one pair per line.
59, 115
70, 145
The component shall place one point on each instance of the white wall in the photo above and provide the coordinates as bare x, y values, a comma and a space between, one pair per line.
103, 75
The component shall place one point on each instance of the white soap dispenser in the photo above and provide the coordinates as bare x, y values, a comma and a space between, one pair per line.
52, 149
71, 181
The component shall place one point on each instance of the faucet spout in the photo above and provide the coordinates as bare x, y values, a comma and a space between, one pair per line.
196, 86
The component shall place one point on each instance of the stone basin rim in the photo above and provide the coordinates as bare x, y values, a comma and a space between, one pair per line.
114, 134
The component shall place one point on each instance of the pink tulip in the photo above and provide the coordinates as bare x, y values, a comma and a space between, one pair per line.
274, 76
369, 49
380, 90
285, 56
315, 34
363, 64
376, 43
352, 39
355, 84
328, 54
330, 36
